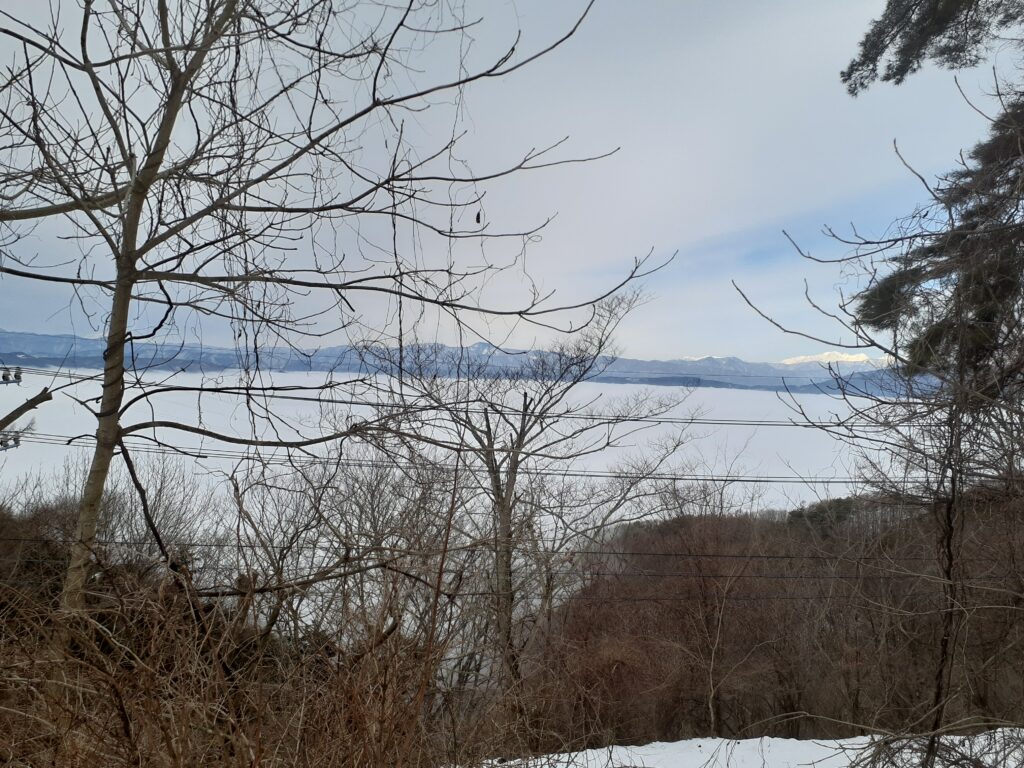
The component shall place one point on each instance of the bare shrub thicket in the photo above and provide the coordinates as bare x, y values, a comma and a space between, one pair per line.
310, 628
827, 622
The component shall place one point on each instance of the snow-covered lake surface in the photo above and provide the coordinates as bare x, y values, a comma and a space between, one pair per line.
797, 458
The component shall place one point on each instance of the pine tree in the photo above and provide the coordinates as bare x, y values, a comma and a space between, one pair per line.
951, 290
952, 33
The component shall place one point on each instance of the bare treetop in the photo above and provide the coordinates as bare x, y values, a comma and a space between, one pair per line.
268, 165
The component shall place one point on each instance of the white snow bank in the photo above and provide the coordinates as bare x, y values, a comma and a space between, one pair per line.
710, 753
998, 749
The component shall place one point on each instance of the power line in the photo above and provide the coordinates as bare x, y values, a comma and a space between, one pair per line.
579, 474
488, 546
631, 575
308, 459
780, 376
825, 597
738, 598
864, 601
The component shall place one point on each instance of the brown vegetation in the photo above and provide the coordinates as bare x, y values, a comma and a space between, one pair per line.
825, 622
822, 622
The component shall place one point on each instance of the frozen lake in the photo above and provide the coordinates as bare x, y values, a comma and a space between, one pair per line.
796, 458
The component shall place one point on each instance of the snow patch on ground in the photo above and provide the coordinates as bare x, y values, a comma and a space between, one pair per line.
996, 749
710, 753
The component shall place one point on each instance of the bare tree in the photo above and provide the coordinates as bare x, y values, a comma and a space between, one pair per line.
248, 164
526, 436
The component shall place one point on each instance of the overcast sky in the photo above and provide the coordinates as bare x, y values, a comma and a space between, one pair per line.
732, 126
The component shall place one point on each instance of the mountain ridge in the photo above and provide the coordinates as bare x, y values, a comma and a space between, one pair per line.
805, 374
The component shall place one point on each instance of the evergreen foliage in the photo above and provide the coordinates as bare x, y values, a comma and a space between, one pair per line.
953, 33
952, 291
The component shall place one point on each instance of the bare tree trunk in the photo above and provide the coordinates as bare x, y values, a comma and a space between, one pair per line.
108, 432
108, 429
951, 616
505, 598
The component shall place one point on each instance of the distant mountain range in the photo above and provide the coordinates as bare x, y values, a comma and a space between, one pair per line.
804, 375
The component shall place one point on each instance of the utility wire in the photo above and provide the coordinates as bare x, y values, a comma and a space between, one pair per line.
292, 460
65, 440
611, 371
487, 546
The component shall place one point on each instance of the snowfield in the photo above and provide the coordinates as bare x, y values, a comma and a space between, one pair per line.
997, 749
